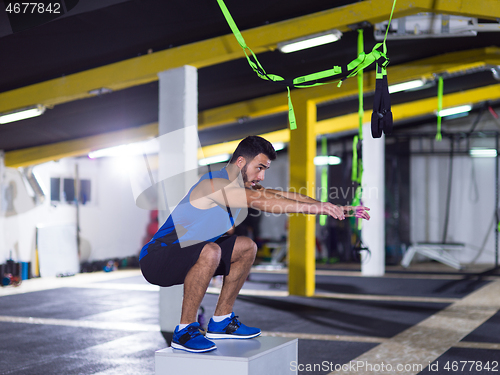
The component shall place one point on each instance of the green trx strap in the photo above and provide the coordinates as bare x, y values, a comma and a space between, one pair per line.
354, 174
291, 113
353, 68
361, 110
357, 164
324, 180
440, 108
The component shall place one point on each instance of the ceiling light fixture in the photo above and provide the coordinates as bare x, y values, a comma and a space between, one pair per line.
429, 25
101, 91
496, 72
455, 110
278, 146
483, 152
109, 152
327, 160
310, 41
22, 114
151, 146
410, 85
214, 159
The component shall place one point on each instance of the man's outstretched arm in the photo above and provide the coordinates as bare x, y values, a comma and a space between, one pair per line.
230, 194
356, 211
276, 203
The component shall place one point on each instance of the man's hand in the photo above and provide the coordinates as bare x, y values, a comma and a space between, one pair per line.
321, 208
339, 212
357, 211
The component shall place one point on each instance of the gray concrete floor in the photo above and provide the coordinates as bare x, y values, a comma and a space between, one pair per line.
108, 323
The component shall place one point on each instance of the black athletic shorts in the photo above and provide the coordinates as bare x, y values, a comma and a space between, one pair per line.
169, 265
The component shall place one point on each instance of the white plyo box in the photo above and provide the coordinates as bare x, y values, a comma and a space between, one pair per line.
258, 356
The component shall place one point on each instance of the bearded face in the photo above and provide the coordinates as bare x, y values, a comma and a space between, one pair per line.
244, 174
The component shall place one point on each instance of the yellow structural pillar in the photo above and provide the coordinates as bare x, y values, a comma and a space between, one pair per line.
301, 232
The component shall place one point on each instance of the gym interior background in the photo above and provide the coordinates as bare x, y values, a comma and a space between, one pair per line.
93, 73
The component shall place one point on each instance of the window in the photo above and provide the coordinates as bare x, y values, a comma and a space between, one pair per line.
55, 189
68, 190
84, 191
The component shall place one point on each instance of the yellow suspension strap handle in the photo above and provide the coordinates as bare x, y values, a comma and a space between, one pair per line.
310, 80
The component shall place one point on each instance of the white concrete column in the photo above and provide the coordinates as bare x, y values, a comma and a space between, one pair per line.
178, 109
373, 231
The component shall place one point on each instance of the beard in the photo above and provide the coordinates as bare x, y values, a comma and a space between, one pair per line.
244, 174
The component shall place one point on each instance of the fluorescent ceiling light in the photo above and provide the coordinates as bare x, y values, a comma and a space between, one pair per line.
406, 86
483, 152
455, 110
22, 114
101, 91
327, 160
133, 149
214, 159
278, 146
110, 151
310, 41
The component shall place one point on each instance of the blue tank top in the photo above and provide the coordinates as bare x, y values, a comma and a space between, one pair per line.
189, 225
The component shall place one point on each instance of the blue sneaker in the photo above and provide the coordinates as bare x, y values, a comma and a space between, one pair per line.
230, 328
191, 340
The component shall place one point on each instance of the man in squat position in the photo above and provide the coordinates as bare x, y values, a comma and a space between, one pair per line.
190, 247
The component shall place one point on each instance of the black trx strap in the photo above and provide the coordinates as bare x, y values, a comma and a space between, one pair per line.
382, 115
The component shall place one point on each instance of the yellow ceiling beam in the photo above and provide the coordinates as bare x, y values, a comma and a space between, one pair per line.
350, 121
425, 68
229, 147
413, 109
144, 69
82, 146
488, 9
78, 147
263, 106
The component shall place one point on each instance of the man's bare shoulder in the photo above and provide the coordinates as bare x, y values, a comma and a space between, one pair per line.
209, 186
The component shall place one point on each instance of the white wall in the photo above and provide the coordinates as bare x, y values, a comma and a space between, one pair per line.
111, 225
19, 215
472, 210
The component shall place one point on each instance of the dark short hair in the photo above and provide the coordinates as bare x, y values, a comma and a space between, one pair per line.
252, 146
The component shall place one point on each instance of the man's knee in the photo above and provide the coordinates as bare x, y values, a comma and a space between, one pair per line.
248, 246
211, 254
